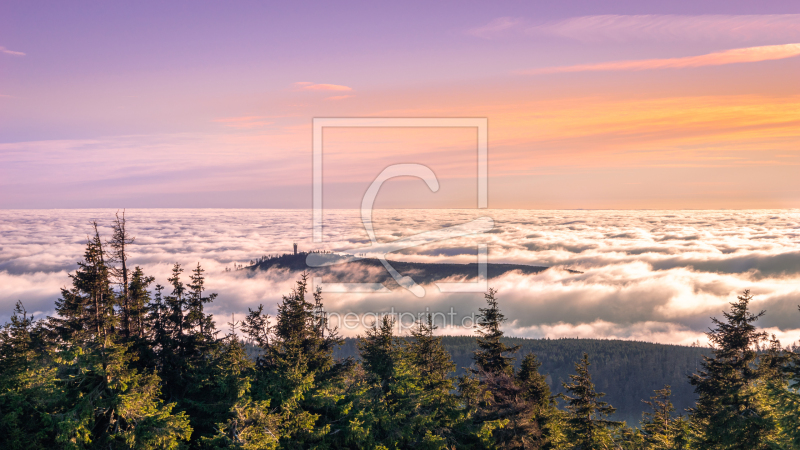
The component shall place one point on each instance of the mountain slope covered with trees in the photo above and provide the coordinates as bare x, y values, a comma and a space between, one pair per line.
627, 371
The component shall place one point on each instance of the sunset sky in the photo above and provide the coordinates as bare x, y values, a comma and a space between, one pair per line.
625, 104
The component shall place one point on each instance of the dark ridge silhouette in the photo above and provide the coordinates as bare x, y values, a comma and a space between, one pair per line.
371, 270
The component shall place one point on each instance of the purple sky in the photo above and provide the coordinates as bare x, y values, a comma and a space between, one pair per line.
151, 104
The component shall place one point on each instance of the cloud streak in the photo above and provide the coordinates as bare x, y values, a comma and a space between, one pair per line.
10, 52
308, 86
649, 27
673, 27
496, 27
734, 56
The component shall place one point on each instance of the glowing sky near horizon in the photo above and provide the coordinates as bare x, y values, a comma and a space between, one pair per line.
616, 104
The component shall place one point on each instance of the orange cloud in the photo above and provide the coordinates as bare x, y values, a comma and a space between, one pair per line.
10, 52
703, 131
734, 56
308, 86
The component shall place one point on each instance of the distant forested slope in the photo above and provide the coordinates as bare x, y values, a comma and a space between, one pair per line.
424, 273
627, 371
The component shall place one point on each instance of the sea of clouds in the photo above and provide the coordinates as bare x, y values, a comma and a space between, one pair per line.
646, 275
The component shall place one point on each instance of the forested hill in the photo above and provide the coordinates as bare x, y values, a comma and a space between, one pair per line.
627, 371
358, 271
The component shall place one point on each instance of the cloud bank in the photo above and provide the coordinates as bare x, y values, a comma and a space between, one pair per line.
646, 275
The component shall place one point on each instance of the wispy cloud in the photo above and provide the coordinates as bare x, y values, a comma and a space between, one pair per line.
309, 86
496, 27
734, 56
656, 27
10, 52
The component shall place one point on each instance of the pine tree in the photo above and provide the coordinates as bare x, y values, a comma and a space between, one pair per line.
385, 407
21, 341
297, 373
200, 323
119, 255
106, 404
587, 425
27, 383
438, 411
536, 389
103, 400
727, 413
157, 334
380, 352
491, 356
429, 358
660, 430
138, 299
780, 394
86, 312
172, 356
241, 422
548, 420
502, 416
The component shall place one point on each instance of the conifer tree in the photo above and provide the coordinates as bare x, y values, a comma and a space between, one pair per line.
536, 389
429, 357
548, 420
385, 407
138, 299
21, 341
727, 414
172, 355
491, 357
587, 426
197, 321
257, 327
27, 383
503, 415
781, 371
297, 372
438, 410
380, 352
86, 312
157, 334
188, 353
241, 422
103, 400
660, 430
118, 254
